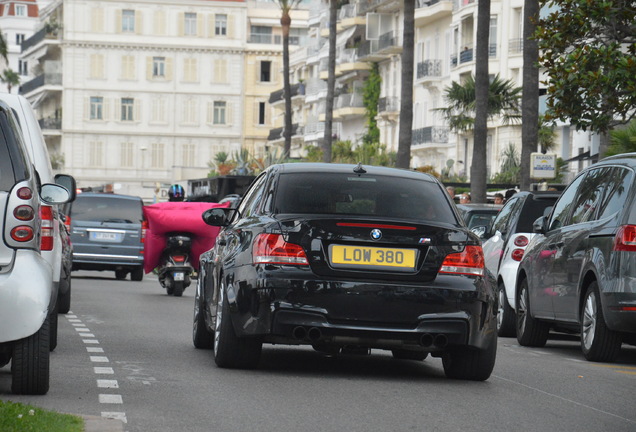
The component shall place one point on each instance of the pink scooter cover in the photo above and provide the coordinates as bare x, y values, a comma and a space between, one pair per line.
168, 217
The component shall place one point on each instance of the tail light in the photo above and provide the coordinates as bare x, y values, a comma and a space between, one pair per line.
144, 229
24, 212
67, 222
273, 249
178, 258
625, 239
517, 254
521, 241
468, 262
25, 193
22, 233
46, 241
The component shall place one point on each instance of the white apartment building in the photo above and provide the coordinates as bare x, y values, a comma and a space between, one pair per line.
18, 21
150, 90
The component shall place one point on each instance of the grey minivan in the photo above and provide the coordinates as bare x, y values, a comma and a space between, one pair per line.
107, 233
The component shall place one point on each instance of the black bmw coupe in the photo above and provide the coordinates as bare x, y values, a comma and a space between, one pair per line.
346, 258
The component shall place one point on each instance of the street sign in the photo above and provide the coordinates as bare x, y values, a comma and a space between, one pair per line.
543, 166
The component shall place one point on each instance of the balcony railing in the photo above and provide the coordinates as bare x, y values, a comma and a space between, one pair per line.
50, 123
41, 80
297, 89
265, 39
315, 86
314, 127
348, 11
425, 3
387, 40
515, 46
389, 104
430, 134
367, 48
277, 133
349, 100
429, 68
38, 37
349, 55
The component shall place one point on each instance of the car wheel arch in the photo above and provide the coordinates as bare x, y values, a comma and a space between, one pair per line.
587, 280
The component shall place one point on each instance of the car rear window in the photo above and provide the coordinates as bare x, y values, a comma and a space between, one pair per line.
102, 209
534, 208
367, 195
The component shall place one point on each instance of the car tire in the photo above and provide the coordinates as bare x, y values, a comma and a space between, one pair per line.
470, 363
64, 300
120, 274
530, 331
230, 351
505, 314
53, 321
137, 274
30, 363
201, 336
402, 354
598, 343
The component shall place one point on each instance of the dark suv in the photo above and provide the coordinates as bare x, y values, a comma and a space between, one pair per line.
579, 275
107, 233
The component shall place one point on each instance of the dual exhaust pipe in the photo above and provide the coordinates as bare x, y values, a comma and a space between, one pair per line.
426, 340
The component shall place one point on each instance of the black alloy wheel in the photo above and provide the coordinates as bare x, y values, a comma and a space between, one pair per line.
201, 337
530, 332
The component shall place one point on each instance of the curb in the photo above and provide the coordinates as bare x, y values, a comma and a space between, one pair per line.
101, 424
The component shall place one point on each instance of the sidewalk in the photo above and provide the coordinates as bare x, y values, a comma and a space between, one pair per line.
101, 424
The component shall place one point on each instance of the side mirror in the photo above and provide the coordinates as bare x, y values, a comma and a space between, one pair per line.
54, 194
481, 231
539, 225
218, 216
68, 182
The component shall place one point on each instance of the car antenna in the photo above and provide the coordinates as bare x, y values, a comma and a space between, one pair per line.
358, 169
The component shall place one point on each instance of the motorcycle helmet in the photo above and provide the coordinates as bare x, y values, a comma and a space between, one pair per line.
176, 193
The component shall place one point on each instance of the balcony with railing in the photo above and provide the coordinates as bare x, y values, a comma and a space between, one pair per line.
41, 37
349, 105
389, 43
314, 129
44, 80
430, 135
50, 123
349, 16
278, 96
515, 46
389, 104
278, 133
259, 38
429, 69
315, 89
427, 11
369, 51
348, 61
462, 3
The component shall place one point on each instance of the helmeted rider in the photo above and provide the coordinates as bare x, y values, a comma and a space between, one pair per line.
176, 193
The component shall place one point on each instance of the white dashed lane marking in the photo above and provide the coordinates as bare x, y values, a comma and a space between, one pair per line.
104, 398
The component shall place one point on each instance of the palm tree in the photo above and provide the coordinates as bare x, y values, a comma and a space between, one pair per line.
406, 94
331, 82
10, 78
285, 21
530, 99
478, 173
4, 50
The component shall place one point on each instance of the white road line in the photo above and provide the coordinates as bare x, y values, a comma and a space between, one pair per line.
75, 320
91, 341
101, 383
78, 325
99, 359
68, 315
115, 415
82, 329
110, 399
87, 335
104, 370
94, 349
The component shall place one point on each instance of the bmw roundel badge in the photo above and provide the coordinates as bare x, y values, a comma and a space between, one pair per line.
376, 234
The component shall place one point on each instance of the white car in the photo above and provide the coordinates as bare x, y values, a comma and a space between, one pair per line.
504, 244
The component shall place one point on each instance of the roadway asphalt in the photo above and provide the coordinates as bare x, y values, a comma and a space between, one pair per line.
101, 424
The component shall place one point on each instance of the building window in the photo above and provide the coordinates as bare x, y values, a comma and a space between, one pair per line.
158, 112
127, 108
128, 21
128, 67
97, 108
190, 70
23, 67
219, 112
188, 155
297, 36
156, 155
220, 71
126, 158
261, 34
20, 10
266, 71
19, 38
159, 67
190, 24
190, 111
220, 25
261, 113
95, 151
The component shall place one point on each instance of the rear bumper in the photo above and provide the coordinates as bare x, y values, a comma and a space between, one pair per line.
619, 310
26, 294
452, 310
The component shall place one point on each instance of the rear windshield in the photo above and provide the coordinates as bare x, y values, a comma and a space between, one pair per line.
368, 195
534, 208
101, 209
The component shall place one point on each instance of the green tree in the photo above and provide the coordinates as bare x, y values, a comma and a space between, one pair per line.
589, 55
405, 133
370, 98
623, 140
530, 98
510, 168
285, 21
4, 48
10, 78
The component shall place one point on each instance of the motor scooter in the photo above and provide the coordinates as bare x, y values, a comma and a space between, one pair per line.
175, 268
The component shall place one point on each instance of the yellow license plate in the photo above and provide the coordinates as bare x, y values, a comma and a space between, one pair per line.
375, 257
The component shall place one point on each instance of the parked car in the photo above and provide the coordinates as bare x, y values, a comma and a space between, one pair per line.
107, 233
346, 258
55, 247
28, 297
504, 243
578, 273
478, 215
